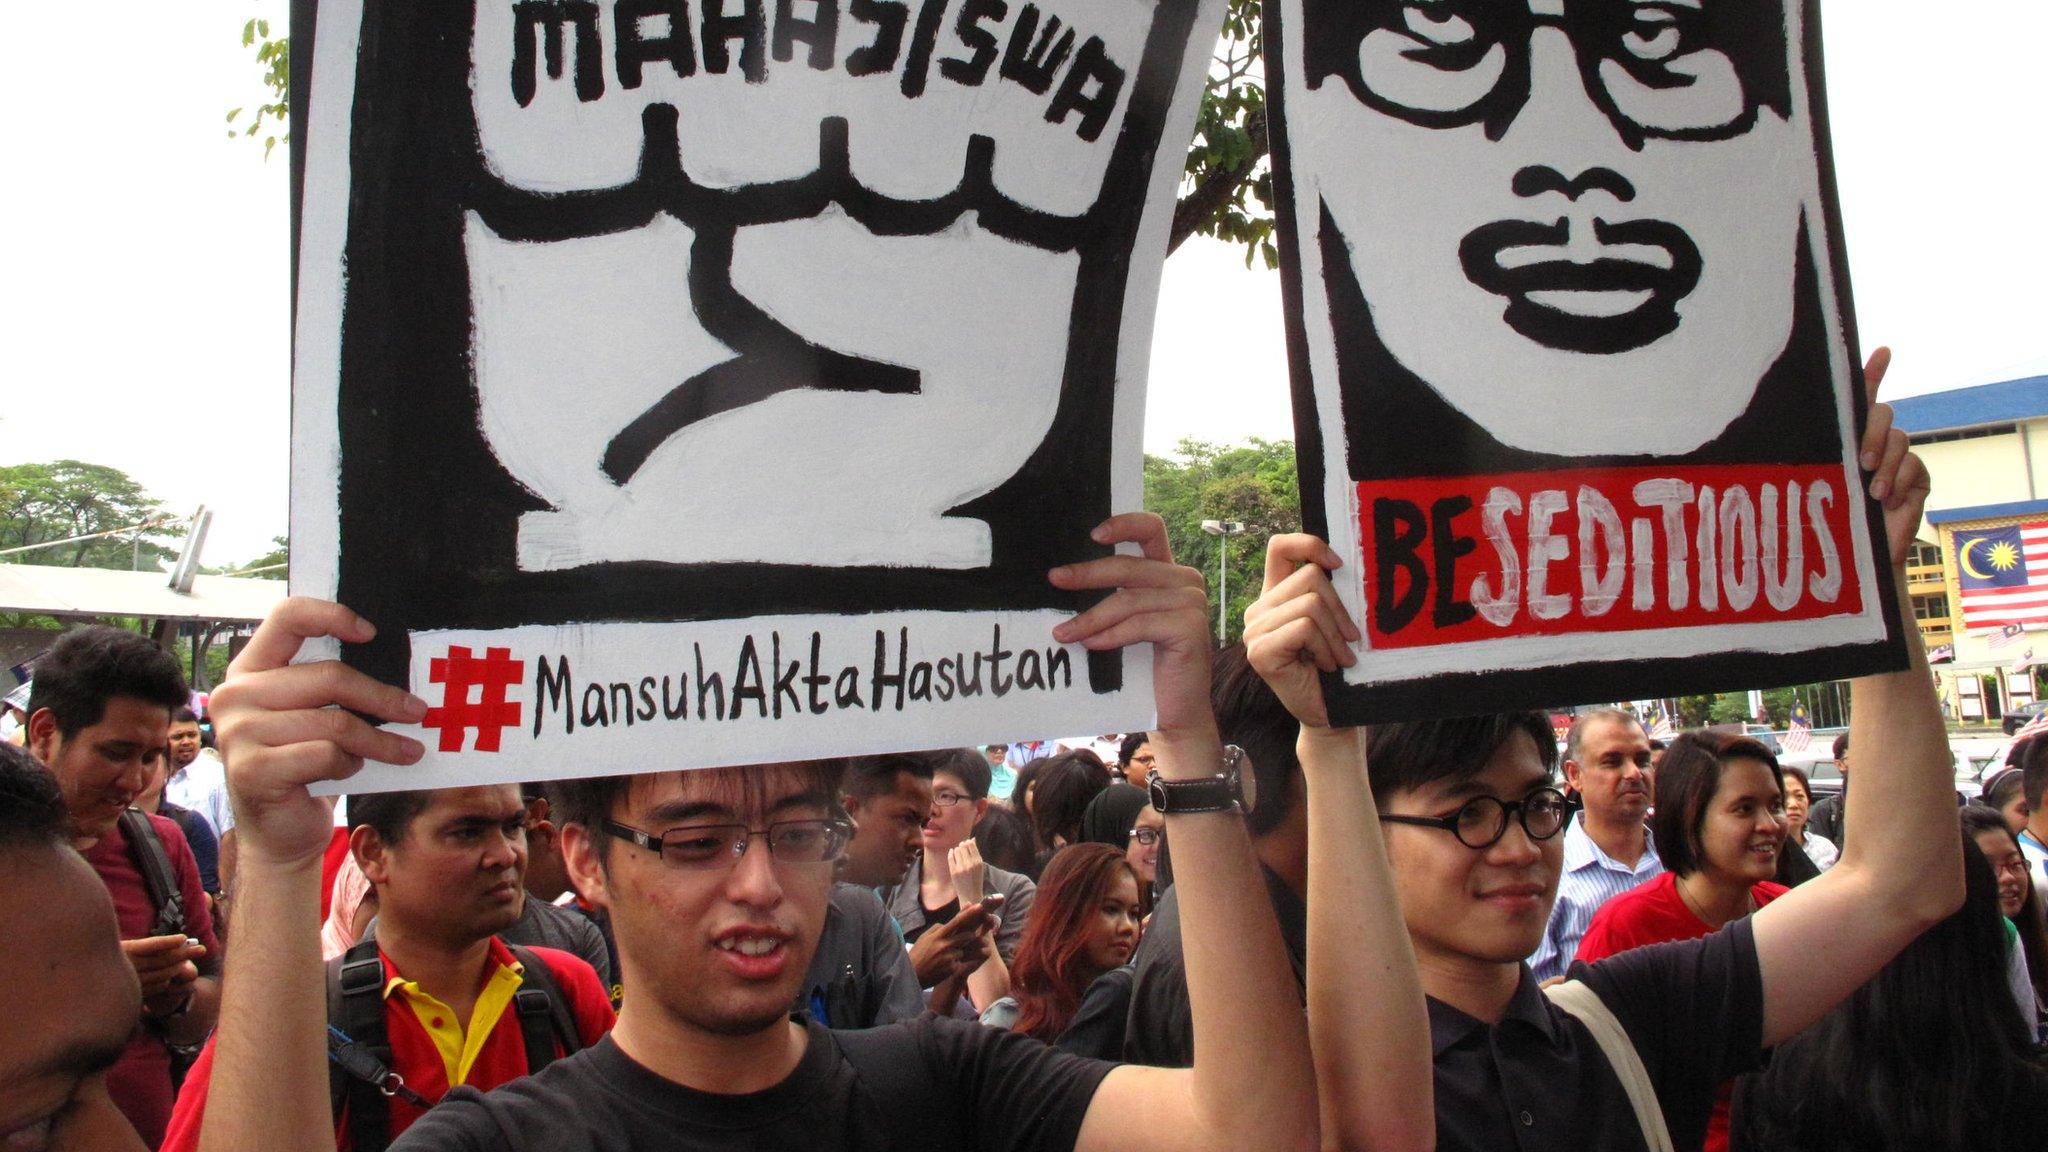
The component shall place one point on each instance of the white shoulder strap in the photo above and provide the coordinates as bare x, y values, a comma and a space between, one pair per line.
1582, 1002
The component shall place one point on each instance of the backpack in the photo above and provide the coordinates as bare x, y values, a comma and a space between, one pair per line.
355, 1007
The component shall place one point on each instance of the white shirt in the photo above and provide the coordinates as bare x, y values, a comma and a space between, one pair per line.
1591, 878
2037, 859
1819, 849
202, 786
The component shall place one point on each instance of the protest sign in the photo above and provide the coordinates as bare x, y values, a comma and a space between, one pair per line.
693, 382
1575, 371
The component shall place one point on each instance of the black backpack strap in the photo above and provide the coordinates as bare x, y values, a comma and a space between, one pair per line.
355, 1005
157, 874
544, 1019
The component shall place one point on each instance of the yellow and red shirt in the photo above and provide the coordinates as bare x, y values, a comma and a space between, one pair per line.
431, 1048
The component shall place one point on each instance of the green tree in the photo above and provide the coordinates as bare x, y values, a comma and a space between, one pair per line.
40, 503
1253, 483
1227, 191
270, 118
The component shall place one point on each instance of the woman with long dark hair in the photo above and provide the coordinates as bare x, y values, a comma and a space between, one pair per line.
1928, 1055
1084, 924
2021, 906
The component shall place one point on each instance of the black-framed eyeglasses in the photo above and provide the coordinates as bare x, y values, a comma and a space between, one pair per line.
703, 846
1147, 836
1480, 822
948, 799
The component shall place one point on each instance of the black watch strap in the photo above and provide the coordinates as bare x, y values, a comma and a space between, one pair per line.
1218, 793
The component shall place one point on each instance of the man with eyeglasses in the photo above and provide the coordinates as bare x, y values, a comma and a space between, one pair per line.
1472, 815
1607, 847
717, 882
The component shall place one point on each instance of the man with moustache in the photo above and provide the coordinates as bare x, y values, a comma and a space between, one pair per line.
1607, 848
447, 867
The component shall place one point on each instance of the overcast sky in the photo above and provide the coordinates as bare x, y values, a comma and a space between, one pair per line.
145, 259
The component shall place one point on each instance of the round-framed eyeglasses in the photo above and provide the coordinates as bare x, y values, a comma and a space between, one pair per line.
1480, 822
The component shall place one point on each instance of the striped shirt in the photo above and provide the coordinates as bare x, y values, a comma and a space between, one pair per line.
1591, 878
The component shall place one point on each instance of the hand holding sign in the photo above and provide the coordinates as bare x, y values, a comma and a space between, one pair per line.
283, 726
1157, 602
1299, 628
1898, 478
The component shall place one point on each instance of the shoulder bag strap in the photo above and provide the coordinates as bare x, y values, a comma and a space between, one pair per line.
544, 1018
157, 873
1584, 1004
355, 1004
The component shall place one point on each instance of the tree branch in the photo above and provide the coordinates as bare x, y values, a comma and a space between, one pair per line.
1200, 206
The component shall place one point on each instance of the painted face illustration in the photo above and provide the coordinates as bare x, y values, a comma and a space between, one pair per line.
1566, 206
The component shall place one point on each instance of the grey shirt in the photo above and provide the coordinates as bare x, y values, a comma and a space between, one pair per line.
861, 975
1018, 891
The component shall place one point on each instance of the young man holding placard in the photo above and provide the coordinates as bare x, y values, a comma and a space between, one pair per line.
1473, 818
693, 1057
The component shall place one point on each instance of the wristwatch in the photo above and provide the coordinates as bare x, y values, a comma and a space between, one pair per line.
1227, 791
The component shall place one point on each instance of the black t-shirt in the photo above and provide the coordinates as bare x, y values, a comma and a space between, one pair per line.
1537, 1080
938, 1084
933, 917
1161, 1028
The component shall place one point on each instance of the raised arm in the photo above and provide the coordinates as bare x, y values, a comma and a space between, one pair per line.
1902, 869
1252, 1083
279, 733
1368, 1024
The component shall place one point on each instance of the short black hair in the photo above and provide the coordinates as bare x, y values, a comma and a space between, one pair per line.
870, 776
2030, 756
1129, 748
1687, 779
1796, 773
589, 800
2001, 786
1841, 745
1066, 785
90, 666
389, 814
1007, 841
1417, 753
32, 813
1250, 716
184, 715
969, 765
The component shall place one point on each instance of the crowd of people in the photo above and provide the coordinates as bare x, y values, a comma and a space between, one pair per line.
1242, 928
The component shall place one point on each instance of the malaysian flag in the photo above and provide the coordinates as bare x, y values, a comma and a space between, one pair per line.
1800, 734
2037, 724
2003, 575
1662, 729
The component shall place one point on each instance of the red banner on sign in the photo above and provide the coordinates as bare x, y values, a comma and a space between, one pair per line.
1470, 558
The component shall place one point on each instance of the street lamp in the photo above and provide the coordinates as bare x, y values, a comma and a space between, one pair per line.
1225, 529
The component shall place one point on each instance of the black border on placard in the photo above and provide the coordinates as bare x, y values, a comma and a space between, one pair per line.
1469, 693
427, 517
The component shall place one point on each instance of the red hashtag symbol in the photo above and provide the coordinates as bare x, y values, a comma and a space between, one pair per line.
490, 712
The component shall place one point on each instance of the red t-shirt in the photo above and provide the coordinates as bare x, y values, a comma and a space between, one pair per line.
1652, 914
140, 1083
415, 1054
330, 865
